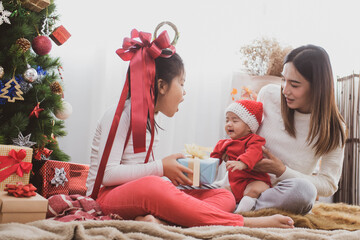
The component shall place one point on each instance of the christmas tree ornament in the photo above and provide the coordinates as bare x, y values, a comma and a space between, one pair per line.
30, 75
42, 153
1, 72
23, 44
65, 112
56, 88
4, 15
12, 91
35, 112
60, 35
41, 45
35, 5
25, 86
41, 74
23, 141
60, 74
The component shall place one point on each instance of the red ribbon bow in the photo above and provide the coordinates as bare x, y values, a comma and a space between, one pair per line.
14, 160
42, 151
142, 55
20, 190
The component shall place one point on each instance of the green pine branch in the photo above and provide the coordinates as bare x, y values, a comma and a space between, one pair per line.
15, 117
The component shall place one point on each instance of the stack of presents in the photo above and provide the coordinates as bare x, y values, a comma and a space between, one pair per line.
27, 183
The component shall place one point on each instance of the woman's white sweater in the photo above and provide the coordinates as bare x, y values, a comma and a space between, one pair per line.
295, 153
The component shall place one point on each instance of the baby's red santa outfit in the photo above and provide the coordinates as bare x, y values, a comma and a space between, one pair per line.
247, 149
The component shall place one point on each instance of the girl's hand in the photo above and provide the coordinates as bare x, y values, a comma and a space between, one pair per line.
175, 171
235, 165
271, 164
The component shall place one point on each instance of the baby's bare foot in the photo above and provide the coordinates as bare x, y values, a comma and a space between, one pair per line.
275, 221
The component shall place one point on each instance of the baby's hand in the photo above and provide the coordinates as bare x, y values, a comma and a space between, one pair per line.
235, 165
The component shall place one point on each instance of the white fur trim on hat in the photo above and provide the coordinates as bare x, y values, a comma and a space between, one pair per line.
244, 114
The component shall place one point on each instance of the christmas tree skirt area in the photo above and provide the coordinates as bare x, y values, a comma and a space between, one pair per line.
327, 221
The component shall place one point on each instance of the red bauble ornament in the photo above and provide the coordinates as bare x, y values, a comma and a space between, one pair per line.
41, 45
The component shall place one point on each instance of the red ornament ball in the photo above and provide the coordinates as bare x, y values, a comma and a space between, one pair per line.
41, 45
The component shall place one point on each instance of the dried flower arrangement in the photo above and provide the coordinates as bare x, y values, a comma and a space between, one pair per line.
264, 56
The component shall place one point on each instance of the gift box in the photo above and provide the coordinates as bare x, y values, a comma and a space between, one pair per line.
204, 170
60, 35
22, 210
50, 177
35, 5
55, 177
78, 177
15, 164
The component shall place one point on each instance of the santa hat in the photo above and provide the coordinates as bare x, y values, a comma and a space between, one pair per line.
249, 111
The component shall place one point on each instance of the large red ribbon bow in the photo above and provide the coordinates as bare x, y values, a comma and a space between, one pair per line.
14, 160
142, 55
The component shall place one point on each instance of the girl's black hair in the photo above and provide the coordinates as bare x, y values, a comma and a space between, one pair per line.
166, 69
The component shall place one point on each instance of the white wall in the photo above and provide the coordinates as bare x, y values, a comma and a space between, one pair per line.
211, 33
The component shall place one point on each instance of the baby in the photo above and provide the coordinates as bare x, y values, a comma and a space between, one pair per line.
241, 152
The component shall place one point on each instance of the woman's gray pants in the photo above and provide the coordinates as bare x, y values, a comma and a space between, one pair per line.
296, 195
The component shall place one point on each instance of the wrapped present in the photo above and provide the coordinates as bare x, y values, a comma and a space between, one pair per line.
50, 177
15, 164
35, 5
55, 177
78, 177
22, 210
60, 35
204, 170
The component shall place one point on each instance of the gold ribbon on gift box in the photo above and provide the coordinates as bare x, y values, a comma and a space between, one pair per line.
194, 153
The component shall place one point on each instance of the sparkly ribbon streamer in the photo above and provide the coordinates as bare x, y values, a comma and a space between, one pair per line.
14, 160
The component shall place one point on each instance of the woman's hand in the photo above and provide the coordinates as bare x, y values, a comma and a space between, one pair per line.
175, 171
271, 164
235, 165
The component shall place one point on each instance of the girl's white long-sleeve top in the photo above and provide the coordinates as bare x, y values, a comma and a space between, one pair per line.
121, 167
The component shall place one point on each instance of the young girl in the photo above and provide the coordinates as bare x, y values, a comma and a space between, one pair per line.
301, 125
244, 150
132, 185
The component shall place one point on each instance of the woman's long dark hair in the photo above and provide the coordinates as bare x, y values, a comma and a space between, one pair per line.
326, 131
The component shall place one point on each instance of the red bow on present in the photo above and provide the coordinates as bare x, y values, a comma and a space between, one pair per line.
20, 190
42, 151
142, 55
14, 160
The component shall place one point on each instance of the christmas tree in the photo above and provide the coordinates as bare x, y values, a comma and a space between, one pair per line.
31, 91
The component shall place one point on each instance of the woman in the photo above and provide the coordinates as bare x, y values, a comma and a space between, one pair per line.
302, 126
132, 183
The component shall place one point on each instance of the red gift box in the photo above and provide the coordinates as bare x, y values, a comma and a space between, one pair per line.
60, 35
49, 177
78, 177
